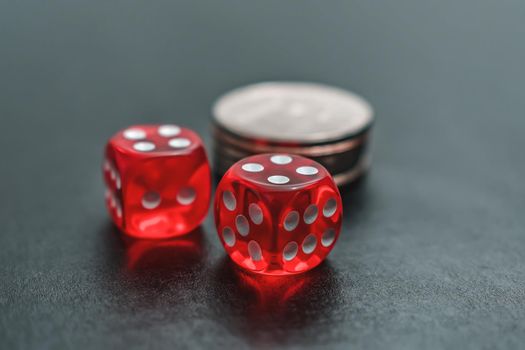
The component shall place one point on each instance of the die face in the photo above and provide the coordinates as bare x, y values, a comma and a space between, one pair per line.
309, 226
165, 180
166, 196
293, 211
113, 191
244, 220
279, 172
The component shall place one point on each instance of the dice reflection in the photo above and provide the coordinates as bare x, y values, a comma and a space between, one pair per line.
261, 305
174, 254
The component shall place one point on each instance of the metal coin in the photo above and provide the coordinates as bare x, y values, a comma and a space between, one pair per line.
303, 113
226, 139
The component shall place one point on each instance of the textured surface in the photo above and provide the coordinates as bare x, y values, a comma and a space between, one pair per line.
433, 249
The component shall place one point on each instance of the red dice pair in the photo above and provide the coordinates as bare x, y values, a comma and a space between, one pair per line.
275, 214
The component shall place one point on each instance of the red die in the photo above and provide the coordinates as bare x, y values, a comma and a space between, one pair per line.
158, 180
277, 214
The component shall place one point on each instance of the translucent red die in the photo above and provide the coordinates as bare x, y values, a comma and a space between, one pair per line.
277, 214
157, 179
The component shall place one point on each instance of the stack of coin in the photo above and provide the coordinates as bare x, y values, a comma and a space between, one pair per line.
327, 124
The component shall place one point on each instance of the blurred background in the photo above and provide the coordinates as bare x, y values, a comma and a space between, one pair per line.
433, 249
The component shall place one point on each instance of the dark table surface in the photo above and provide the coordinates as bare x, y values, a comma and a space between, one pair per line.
433, 249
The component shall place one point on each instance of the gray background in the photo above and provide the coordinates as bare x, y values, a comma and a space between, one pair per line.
432, 253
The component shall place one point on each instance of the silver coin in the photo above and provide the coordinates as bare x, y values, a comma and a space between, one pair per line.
292, 112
